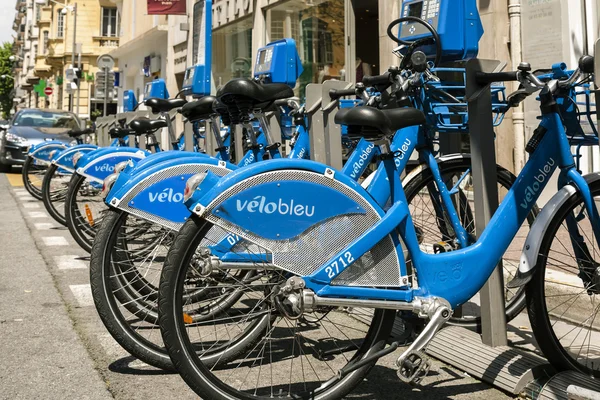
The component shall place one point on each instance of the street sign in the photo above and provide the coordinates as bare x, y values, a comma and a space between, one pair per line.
70, 87
71, 73
48, 91
105, 61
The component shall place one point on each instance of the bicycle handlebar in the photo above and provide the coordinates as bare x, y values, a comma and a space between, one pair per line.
335, 94
484, 78
377, 80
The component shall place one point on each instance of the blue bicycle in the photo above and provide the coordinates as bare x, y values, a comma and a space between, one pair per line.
326, 297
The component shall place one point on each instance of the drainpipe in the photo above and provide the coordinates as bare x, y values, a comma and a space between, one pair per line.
518, 116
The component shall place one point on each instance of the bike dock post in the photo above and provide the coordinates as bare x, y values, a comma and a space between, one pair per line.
332, 131
317, 130
486, 356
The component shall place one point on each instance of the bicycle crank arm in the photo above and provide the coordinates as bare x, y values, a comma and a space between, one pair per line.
367, 360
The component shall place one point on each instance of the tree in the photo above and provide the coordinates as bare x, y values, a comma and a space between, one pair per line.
6, 84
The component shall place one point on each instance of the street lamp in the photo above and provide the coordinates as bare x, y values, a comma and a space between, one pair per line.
14, 58
66, 8
6, 77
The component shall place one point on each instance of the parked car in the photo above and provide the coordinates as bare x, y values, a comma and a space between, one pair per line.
32, 126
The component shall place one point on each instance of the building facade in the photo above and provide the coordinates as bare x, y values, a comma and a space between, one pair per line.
63, 34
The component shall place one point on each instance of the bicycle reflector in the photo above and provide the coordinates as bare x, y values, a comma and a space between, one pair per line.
109, 181
121, 166
76, 157
192, 184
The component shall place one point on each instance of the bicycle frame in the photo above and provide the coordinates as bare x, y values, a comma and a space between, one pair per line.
453, 276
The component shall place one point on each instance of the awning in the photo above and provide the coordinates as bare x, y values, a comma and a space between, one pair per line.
150, 37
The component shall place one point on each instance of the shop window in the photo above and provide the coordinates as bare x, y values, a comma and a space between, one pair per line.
60, 24
232, 51
319, 34
110, 22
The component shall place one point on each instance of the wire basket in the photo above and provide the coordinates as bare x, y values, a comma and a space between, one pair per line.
445, 105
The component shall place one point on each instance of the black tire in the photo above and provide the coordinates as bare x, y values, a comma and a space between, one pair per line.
199, 375
54, 194
108, 292
556, 330
83, 224
455, 166
33, 176
119, 290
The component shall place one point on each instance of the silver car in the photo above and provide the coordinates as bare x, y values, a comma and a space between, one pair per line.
29, 127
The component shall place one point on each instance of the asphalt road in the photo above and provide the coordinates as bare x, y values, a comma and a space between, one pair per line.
54, 346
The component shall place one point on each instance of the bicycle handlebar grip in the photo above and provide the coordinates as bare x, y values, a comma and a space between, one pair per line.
586, 64
335, 94
376, 80
484, 78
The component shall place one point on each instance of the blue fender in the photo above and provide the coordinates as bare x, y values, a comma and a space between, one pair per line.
42, 151
64, 159
98, 164
285, 208
155, 193
161, 156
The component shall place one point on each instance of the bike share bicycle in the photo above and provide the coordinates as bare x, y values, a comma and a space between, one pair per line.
320, 264
84, 206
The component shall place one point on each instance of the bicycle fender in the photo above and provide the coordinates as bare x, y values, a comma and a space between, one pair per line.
42, 151
246, 199
302, 212
531, 248
98, 164
156, 192
64, 159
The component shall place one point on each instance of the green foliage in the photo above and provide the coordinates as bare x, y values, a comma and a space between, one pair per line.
95, 114
7, 84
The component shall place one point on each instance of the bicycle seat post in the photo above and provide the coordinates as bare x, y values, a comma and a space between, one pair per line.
214, 126
170, 128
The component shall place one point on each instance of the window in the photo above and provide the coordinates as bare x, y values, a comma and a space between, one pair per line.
38, 12
60, 24
232, 51
45, 42
319, 33
35, 49
110, 22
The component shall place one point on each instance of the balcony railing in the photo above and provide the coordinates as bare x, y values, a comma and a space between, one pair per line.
106, 41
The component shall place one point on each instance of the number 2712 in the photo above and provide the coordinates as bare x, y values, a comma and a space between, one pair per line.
334, 269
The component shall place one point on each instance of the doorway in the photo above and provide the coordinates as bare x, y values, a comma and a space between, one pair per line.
366, 28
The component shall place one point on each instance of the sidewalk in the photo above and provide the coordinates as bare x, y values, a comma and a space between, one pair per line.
41, 354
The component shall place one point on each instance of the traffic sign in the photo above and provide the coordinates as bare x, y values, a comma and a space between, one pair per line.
48, 91
105, 61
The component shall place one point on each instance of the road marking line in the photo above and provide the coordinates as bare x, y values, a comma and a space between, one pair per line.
31, 205
15, 179
44, 226
55, 241
22, 193
83, 295
38, 214
19, 190
69, 262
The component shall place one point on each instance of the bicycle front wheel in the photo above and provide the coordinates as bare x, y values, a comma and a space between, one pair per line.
563, 296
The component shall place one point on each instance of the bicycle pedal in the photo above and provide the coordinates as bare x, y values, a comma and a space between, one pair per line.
414, 368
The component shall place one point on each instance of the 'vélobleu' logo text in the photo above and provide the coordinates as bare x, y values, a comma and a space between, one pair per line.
166, 196
261, 205
532, 190
104, 168
362, 159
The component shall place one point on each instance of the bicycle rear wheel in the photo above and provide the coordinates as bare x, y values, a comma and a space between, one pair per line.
84, 210
292, 358
434, 228
33, 176
54, 193
563, 296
